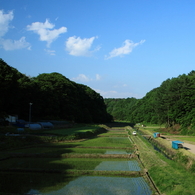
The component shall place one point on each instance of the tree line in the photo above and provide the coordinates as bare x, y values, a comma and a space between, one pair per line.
53, 97
172, 103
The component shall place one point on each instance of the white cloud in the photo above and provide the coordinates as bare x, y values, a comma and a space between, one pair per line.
79, 47
98, 77
43, 30
50, 52
82, 78
9, 44
127, 48
106, 94
5, 19
115, 94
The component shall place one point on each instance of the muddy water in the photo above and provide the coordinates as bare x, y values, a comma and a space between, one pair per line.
99, 185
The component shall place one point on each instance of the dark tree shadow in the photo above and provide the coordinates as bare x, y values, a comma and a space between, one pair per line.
119, 124
34, 167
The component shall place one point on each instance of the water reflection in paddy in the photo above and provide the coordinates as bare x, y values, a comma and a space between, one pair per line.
118, 152
132, 165
98, 185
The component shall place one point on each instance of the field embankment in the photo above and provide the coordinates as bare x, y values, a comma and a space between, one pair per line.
62, 162
171, 170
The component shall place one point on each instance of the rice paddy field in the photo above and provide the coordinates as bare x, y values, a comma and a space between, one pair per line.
70, 131
101, 165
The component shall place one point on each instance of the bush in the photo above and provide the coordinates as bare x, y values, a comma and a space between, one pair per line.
192, 168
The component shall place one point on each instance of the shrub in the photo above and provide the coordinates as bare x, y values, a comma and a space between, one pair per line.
192, 168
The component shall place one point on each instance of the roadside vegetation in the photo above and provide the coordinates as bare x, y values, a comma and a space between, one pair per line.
172, 104
171, 170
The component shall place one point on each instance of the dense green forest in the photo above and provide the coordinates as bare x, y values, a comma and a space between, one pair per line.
172, 103
53, 96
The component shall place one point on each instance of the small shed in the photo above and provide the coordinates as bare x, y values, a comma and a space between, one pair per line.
177, 144
12, 119
157, 134
46, 125
34, 126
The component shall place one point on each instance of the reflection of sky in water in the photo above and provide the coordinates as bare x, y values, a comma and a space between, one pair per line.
117, 152
99, 185
118, 166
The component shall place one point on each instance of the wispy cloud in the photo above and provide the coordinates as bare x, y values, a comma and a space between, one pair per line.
115, 94
127, 48
98, 77
51, 52
81, 78
106, 94
84, 78
79, 47
5, 19
44, 31
8, 44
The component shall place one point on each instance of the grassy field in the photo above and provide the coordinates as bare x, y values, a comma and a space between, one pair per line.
115, 142
101, 155
171, 177
54, 131
100, 142
185, 138
63, 164
69, 131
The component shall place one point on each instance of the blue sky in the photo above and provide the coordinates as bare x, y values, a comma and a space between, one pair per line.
119, 48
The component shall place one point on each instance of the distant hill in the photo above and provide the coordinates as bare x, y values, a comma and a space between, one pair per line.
53, 96
172, 103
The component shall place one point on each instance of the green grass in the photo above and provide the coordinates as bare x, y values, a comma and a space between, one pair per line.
116, 134
173, 179
61, 164
107, 142
170, 177
66, 160
115, 142
69, 131
190, 139
54, 151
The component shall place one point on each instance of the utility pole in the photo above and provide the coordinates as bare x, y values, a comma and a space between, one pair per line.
30, 104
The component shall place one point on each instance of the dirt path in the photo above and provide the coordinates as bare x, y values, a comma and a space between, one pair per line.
187, 146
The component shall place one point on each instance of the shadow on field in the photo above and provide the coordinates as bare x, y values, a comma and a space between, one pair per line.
32, 183
186, 148
119, 124
39, 167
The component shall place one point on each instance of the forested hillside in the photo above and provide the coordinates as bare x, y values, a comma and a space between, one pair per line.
53, 97
172, 103
120, 109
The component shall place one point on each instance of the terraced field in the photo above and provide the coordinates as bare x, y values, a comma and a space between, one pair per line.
102, 165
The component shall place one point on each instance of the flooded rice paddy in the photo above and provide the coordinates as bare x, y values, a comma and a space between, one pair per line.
21, 171
118, 166
98, 185
118, 152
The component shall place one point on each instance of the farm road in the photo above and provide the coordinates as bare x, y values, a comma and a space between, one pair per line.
190, 147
